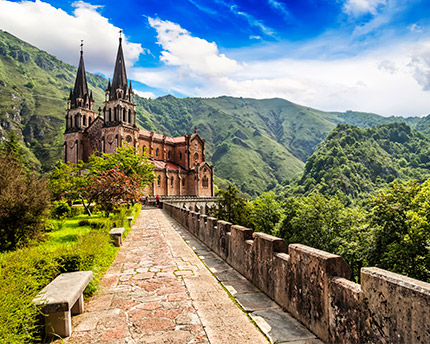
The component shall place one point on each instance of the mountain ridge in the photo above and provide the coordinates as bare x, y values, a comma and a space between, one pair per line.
252, 143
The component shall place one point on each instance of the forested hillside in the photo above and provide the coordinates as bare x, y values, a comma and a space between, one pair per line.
254, 144
34, 87
356, 161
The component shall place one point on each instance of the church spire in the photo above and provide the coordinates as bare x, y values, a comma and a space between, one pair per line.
119, 85
80, 91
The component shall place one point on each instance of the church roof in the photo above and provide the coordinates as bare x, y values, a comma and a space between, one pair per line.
119, 80
81, 86
177, 139
170, 165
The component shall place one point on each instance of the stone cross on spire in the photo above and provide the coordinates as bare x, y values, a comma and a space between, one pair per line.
80, 91
119, 80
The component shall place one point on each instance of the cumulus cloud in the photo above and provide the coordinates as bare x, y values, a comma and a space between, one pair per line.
388, 66
381, 81
144, 94
192, 54
360, 7
60, 33
420, 65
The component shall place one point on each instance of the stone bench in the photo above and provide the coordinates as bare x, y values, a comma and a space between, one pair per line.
116, 235
130, 220
62, 298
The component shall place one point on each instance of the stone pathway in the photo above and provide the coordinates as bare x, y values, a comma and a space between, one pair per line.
279, 326
158, 291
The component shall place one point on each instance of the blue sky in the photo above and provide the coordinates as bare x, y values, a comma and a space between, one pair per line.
366, 55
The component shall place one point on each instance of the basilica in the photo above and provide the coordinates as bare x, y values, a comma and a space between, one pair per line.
180, 164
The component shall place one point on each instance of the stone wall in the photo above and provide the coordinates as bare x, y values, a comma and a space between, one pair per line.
314, 285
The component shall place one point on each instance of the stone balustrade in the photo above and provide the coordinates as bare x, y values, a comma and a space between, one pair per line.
314, 285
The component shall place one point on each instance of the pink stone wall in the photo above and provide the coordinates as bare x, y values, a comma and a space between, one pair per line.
313, 285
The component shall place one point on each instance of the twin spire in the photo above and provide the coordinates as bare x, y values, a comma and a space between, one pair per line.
119, 89
79, 96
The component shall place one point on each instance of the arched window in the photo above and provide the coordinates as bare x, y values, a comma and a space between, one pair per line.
157, 152
124, 115
129, 116
183, 181
169, 155
158, 181
196, 156
110, 115
180, 155
89, 121
205, 182
77, 121
171, 182
84, 120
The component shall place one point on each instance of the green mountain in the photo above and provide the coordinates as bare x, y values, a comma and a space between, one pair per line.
34, 88
357, 161
255, 144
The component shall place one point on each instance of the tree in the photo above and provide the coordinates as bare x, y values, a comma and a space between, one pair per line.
112, 188
127, 159
399, 220
233, 208
67, 180
325, 223
108, 180
266, 213
24, 202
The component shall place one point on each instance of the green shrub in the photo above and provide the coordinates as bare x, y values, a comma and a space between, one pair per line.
84, 222
100, 224
60, 209
23, 273
76, 211
53, 225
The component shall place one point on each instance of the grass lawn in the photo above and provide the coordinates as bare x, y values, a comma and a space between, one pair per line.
70, 230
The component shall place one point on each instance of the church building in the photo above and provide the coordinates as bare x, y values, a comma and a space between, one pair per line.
180, 164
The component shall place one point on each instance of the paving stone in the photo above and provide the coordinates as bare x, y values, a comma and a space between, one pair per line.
280, 327
240, 287
158, 291
255, 301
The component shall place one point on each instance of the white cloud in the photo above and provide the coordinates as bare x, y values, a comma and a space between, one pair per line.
390, 79
252, 21
60, 33
382, 81
420, 64
279, 6
192, 54
360, 7
388, 66
415, 28
144, 94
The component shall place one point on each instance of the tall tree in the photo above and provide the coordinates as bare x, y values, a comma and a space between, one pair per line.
24, 200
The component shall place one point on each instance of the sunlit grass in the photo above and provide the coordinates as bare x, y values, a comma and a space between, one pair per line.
70, 230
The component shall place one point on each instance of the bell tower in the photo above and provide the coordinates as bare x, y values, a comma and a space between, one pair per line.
119, 108
79, 116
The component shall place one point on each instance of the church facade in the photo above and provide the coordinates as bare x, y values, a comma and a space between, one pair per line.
180, 165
